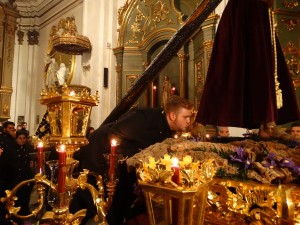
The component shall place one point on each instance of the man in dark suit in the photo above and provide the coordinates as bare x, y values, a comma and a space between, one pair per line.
135, 130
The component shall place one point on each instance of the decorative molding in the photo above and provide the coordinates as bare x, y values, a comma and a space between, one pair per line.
20, 35
290, 23
290, 4
33, 37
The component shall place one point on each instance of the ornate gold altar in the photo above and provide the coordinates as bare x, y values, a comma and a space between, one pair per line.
237, 202
241, 199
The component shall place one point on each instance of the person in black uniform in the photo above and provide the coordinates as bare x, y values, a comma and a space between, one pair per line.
135, 130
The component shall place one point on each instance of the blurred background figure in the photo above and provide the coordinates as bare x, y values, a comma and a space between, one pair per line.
295, 130
89, 130
24, 128
222, 131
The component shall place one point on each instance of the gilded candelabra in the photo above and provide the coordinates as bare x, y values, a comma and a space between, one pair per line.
69, 109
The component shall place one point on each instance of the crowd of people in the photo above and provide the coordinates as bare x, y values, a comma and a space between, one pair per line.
16, 165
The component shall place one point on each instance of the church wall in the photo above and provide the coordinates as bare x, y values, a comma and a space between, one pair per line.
95, 19
28, 72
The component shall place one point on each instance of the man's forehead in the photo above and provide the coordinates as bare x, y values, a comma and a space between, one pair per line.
295, 128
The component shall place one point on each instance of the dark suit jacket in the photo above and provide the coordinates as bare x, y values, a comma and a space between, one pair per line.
135, 130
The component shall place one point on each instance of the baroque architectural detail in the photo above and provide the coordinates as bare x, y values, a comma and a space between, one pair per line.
20, 35
290, 23
208, 44
147, 17
33, 37
290, 4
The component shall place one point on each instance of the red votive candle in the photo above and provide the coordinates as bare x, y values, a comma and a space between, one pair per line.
40, 158
175, 167
112, 160
62, 170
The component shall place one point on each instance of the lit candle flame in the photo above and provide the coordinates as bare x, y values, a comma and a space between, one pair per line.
62, 148
72, 93
175, 161
40, 144
113, 142
154, 87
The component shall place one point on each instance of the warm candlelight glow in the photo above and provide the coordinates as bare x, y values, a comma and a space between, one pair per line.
40, 144
175, 136
62, 148
40, 158
175, 161
112, 160
113, 142
175, 167
154, 87
72, 93
173, 91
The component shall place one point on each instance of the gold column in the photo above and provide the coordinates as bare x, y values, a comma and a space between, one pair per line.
8, 18
183, 73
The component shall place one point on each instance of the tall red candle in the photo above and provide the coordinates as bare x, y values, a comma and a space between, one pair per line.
62, 170
175, 167
40, 158
112, 160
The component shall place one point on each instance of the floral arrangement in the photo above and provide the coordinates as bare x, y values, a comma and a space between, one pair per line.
266, 162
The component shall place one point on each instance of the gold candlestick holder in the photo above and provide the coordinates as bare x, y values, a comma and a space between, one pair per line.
175, 197
69, 108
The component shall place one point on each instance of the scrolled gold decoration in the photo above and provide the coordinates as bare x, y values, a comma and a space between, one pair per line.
290, 23
290, 4
68, 41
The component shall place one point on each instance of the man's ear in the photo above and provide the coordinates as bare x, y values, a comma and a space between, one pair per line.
172, 116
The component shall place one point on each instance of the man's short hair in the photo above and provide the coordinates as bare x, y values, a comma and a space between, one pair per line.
6, 123
175, 102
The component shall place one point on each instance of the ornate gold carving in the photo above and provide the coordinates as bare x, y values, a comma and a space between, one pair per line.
33, 37
148, 16
208, 45
79, 119
290, 4
136, 26
294, 65
160, 13
54, 60
67, 40
290, 49
290, 23
121, 12
20, 35
199, 80
251, 203
293, 58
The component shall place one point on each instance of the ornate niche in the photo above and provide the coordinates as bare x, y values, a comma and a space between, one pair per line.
59, 66
144, 28
8, 17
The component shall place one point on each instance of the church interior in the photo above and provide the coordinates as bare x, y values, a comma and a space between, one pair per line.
66, 65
